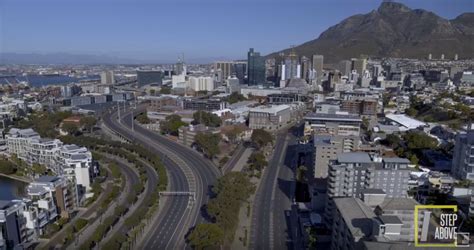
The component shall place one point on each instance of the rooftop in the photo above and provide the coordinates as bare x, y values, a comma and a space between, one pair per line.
333, 117
357, 216
4, 204
405, 121
354, 157
46, 179
390, 219
372, 191
270, 109
398, 204
396, 160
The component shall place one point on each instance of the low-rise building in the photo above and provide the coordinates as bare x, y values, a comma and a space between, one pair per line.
269, 117
204, 104
404, 122
186, 135
334, 124
360, 106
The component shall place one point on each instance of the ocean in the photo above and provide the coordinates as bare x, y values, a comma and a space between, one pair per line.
41, 80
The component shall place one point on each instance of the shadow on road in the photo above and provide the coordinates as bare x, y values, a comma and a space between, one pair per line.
285, 187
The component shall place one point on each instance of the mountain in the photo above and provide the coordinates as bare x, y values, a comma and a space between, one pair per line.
393, 30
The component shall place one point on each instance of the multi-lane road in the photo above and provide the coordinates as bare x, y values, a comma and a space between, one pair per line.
272, 216
187, 171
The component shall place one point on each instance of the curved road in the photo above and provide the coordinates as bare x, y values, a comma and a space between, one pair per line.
132, 179
169, 230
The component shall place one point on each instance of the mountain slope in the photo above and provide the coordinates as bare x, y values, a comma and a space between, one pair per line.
394, 30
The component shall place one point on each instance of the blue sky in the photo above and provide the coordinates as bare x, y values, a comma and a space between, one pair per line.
160, 30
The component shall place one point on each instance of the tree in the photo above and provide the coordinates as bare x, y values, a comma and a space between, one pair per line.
257, 161
80, 224
208, 143
152, 91
300, 174
311, 231
231, 190
417, 140
165, 90
411, 112
391, 140
171, 124
233, 133
205, 236
414, 159
143, 118
261, 138
365, 123
70, 128
88, 123
7, 167
39, 169
235, 97
206, 118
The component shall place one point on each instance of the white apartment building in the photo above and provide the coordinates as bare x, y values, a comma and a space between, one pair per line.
463, 156
70, 160
201, 83
52, 196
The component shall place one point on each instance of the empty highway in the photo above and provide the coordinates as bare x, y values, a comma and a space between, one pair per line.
187, 171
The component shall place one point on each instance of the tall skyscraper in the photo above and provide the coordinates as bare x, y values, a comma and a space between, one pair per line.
180, 66
255, 68
291, 66
318, 61
107, 77
305, 67
240, 70
345, 67
359, 65
226, 68
463, 163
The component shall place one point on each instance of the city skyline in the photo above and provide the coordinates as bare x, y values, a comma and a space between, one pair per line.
193, 31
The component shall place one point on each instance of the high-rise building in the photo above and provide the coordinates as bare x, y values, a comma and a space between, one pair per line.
240, 70
318, 61
291, 67
225, 67
179, 68
145, 77
255, 68
345, 67
107, 77
463, 158
305, 67
354, 172
359, 65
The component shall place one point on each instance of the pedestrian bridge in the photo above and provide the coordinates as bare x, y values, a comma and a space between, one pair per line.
179, 193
